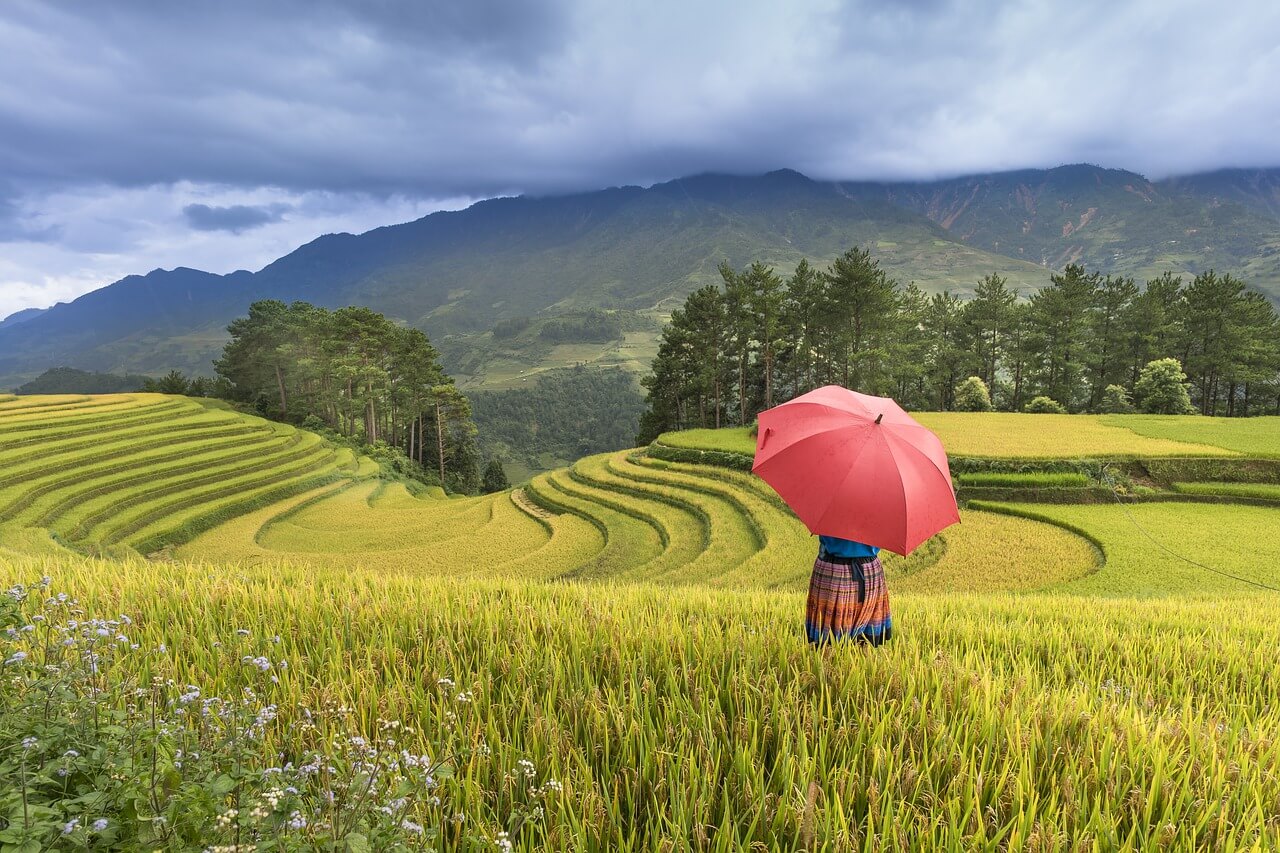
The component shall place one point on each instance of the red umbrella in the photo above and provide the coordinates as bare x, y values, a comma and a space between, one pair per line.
857, 467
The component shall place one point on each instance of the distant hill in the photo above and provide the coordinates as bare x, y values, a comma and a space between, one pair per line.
458, 273
68, 380
21, 316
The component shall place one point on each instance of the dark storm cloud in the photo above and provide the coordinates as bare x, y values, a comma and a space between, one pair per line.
474, 98
234, 218
117, 116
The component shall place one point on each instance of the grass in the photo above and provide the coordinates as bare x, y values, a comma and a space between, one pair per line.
1262, 491
1031, 479
1258, 437
698, 718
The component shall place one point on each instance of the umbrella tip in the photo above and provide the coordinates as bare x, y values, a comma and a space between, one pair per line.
879, 417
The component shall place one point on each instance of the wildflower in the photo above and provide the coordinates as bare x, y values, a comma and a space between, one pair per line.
297, 820
100, 824
30, 743
16, 657
409, 826
71, 826
243, 632
503, 842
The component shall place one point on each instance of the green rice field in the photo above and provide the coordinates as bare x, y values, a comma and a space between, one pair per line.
1059, 679
1007, 435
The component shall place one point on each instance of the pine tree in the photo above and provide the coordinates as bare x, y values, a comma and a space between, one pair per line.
860, 303
495, 478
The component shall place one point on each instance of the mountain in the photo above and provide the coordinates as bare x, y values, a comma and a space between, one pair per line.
1257, 189
1108, 219
457, 273
21, 316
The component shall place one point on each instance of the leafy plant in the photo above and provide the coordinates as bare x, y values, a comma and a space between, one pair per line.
102, 746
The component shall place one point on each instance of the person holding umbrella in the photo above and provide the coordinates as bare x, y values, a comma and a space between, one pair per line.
863, 475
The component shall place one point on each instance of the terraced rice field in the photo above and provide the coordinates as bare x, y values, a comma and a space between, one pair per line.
1006, 435
632, 626
623, 517
141, 471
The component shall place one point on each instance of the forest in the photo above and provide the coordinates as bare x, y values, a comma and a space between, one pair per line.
568, 414
1080, 344
355, 373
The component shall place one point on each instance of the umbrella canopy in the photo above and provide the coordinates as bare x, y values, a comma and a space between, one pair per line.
858, 467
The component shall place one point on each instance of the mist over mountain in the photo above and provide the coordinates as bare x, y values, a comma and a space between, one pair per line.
456, 273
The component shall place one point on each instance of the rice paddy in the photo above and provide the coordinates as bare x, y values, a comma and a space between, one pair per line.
1009, 435
140, 471
1057, 680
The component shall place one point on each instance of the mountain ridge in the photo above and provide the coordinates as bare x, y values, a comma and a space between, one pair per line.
456, 273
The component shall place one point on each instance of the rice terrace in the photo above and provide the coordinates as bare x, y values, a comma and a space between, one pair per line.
722, 427
628, 624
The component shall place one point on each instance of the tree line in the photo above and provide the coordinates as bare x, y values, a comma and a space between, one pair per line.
1081, 343
358, 374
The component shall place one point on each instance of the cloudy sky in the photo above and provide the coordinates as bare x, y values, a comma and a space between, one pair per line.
137, 134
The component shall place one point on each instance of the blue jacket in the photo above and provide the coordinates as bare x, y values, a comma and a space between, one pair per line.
837, 547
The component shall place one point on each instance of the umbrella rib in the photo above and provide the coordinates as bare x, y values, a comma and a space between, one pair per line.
906, 507
946, 475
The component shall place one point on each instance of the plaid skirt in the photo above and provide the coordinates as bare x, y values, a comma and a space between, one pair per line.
848, 600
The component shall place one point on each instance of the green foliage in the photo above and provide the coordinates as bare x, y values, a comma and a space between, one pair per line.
105, 744
1044, 406
1038, 479
504, 329
1081, 341
1161, 389
495, 478
358, 373
972, 396
69, 380
1260, 491
567, 414
1115, 401
588, 327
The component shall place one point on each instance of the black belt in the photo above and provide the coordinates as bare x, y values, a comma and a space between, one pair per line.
844, 561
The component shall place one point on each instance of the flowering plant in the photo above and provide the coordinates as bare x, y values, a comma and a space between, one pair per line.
101, 749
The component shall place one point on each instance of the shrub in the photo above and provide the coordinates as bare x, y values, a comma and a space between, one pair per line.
972, 395
1161, 389
1115, 401
100, 748
1045, 406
